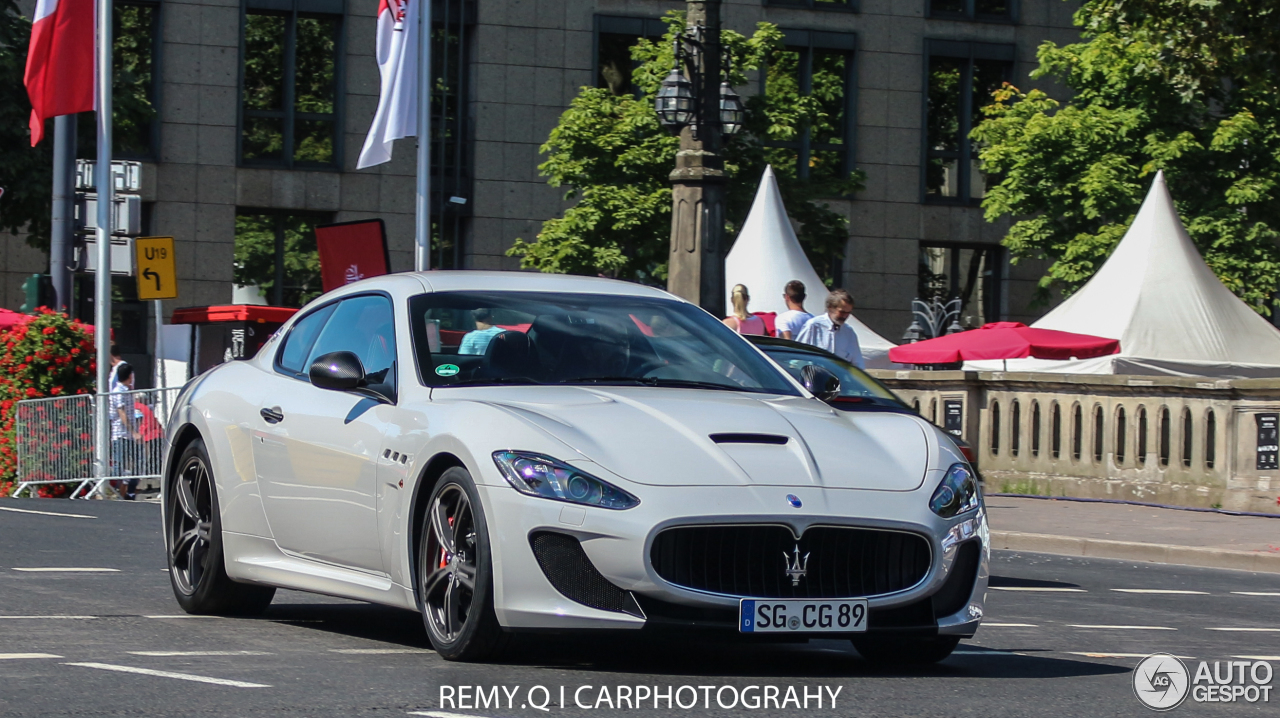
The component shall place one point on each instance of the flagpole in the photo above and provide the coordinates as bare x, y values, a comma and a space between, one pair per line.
102, 280
422, 229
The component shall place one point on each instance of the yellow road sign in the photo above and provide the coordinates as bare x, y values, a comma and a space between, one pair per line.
157, 278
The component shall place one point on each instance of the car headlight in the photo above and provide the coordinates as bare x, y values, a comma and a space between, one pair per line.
543, 476
957, 493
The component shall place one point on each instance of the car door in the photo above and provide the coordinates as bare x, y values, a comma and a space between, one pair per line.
317, 450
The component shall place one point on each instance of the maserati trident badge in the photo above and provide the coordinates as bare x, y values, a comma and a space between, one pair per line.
798, 568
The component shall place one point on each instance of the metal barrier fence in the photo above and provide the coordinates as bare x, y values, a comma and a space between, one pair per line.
55, 440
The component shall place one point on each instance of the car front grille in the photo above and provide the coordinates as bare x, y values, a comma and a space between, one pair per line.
753, 561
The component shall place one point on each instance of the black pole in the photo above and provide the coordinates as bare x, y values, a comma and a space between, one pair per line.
64, 193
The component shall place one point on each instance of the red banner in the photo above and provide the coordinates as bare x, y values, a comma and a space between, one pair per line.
351, 251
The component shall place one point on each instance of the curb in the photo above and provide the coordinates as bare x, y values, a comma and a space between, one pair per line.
1134, 551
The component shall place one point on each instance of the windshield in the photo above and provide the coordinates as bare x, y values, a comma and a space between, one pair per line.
856, 386
477, 338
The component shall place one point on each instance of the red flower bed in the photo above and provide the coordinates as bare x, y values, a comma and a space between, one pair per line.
45, 355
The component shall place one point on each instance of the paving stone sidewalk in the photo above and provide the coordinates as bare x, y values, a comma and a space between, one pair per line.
1135, 533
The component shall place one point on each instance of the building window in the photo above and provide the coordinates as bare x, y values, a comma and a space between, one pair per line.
818, 65
289, 110
615, 36
136, 49
276, 253
971, 272
846, 5
452, 23
960, 78
983, 10
137, 44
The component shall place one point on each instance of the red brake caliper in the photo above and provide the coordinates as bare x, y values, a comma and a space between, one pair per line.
444, 560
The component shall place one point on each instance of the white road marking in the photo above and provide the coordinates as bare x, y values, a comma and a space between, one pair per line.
1257, 593
169, 674
992, 652
180, 615
1117, 655
19, 656
1161, 590
377, 651
67, 569
72, 618
442, 714
1253, 630
47, 513
1011, 625
1032, 588
1128, 628
1259, 658
198, 653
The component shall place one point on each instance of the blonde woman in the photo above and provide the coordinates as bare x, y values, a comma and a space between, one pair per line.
742, 321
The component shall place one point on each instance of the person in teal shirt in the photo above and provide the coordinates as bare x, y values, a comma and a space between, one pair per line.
477, 342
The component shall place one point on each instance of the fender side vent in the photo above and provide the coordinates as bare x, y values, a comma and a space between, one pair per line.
749, 439
571, 573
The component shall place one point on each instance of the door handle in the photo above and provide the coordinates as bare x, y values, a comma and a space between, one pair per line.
272, 415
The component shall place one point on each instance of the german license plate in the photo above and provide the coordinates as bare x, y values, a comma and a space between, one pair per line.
758, 615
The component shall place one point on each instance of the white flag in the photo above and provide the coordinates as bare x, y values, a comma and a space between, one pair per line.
397, 53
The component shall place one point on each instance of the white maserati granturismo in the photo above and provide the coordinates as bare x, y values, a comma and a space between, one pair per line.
512, 451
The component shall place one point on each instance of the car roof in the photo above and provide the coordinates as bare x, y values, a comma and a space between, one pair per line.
477, 280
763, 341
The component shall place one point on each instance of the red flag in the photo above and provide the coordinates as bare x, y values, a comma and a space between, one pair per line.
351, 251
59, 76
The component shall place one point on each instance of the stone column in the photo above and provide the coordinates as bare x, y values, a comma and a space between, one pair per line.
698, 194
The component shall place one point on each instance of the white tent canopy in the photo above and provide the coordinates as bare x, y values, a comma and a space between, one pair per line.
1170, 312
767, 255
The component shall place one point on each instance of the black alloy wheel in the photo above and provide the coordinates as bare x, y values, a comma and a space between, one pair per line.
190, 524
449, 589
455, 582
193, 537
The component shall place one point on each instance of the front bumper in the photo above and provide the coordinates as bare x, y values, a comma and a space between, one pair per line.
617, 544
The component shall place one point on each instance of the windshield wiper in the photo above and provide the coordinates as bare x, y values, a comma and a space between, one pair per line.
654, 381
494, 380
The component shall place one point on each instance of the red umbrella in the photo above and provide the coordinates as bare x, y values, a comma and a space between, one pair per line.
1004, 340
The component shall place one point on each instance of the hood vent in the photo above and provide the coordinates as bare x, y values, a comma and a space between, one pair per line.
749, 439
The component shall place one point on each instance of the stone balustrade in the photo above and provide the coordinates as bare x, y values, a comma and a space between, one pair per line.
1189, 441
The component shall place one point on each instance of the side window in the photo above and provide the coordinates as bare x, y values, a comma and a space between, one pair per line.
297, 346
363, 326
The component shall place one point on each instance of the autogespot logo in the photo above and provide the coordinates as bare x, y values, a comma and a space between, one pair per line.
1161, 682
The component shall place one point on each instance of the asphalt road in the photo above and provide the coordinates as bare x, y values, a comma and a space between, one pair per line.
112, 642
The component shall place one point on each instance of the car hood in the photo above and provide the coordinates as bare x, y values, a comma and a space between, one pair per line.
691, 437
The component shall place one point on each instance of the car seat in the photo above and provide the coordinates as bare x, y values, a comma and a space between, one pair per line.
508, 354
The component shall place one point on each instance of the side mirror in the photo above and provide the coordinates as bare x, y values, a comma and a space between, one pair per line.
339, 371
820, 382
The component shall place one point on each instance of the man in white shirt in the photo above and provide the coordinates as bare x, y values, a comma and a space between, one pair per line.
829, 331
790, 322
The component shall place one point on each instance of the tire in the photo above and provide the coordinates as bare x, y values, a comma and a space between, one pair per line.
905, 650
193, 542
455, 573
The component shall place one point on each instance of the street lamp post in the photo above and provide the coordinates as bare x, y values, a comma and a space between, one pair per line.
695, 102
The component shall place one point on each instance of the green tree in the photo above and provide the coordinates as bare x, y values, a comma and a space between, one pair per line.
611, 152
25, 171
256, 255
1187, 86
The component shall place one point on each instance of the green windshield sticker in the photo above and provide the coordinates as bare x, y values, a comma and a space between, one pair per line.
447, 369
